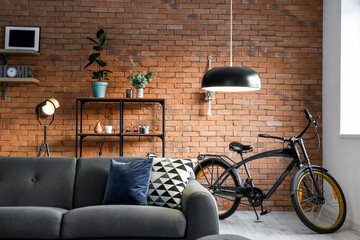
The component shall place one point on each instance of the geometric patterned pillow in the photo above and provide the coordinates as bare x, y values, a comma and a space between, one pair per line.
168, 179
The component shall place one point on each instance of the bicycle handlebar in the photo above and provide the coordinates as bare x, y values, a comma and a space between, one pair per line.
308, 116
268, 136
307, 113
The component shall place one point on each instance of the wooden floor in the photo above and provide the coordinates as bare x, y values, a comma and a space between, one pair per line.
277, 226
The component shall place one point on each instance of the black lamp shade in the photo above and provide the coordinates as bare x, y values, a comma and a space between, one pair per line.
231, 79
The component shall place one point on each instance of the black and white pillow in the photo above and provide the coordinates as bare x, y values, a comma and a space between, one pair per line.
169, 177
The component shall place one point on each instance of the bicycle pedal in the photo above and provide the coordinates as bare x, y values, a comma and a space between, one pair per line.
265, 212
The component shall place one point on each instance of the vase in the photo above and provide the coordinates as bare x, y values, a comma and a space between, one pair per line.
139, 92
99, 88
98, 128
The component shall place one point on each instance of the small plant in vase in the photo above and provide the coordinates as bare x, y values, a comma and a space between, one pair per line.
139, 80
99, 87
108, 127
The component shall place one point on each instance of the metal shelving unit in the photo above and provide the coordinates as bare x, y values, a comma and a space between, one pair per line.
80, 135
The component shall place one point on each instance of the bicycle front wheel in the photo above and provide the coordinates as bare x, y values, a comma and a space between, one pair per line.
322, 215
207, 174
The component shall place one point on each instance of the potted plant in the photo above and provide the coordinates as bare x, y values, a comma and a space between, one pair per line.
139, 80
99, 87
108, 127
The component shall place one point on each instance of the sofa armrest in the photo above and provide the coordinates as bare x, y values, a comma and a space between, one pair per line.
200, 209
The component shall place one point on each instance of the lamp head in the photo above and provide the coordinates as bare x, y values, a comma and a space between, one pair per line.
231, 79
47, 108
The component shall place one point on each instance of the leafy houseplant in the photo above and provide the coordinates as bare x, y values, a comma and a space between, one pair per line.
139, 80
99, 87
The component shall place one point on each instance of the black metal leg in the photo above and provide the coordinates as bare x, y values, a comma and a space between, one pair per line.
40, 151
47, 149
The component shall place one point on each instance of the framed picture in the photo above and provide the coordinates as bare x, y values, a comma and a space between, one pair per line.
22, 38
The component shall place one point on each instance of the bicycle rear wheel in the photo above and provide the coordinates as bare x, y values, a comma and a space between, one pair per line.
320, 215
207, 173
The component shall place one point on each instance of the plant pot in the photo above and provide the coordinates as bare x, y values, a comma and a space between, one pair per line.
140, 93
99, 88
108, 129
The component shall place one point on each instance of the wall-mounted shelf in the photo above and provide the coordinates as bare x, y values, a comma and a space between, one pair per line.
6, 80
24, 80
20, 52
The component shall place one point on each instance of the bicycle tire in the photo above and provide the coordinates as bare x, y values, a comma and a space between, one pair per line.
326, 217
225, 210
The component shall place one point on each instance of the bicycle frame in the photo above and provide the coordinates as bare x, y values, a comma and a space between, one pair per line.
291, 152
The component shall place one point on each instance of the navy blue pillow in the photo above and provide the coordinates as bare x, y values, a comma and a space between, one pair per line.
128, 183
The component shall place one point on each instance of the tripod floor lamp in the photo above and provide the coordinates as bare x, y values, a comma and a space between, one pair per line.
45, 110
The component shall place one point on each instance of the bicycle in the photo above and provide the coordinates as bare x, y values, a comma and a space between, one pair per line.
316, 197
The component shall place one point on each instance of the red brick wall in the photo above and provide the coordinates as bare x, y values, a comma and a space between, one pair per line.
280, 39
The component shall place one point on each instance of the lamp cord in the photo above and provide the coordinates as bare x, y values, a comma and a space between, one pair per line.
231, 26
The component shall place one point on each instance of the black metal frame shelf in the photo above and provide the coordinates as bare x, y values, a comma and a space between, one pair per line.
79, 123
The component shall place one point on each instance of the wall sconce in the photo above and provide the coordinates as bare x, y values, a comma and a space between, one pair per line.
209, 96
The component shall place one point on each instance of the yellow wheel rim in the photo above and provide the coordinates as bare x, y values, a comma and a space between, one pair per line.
333, 193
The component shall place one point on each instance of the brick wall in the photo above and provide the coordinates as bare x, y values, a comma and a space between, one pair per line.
280, 39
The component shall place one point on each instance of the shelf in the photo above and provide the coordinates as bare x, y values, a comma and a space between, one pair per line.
80, 135
5, 80
99, 134
141, 135
23, 80
144, 100
118, 135
20, 52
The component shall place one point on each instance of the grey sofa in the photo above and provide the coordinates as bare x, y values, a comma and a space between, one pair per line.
61, 198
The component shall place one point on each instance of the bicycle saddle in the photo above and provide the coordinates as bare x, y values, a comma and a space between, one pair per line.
239, 148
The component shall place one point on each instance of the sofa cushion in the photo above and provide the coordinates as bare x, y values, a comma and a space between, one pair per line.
30, 222
128, 183
27, 181
114, 221
91, 177
168, 180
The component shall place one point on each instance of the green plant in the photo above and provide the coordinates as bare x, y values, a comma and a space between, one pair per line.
139, 79
107, 117
96, 57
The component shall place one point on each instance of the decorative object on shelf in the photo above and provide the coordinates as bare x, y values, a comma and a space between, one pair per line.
45, 110
140, 93
99, 87
129, 93
22, 38
231, 79
108, 127
146, 129
16, 72
139, 80
98, 128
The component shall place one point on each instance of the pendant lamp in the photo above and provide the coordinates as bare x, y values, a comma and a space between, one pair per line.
231, 79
